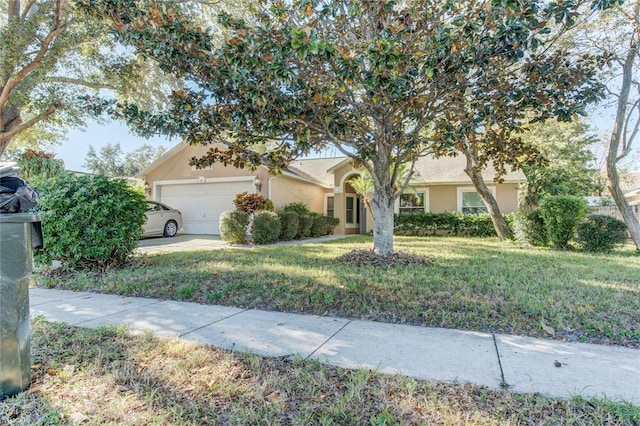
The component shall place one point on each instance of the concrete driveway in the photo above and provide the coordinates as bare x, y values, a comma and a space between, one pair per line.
189, 242
181, 242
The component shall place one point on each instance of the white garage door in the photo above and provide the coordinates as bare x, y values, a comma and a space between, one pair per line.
202, 203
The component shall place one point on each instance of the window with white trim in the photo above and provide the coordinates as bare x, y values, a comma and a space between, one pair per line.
412, 203
350, 210
330, 210
469, 201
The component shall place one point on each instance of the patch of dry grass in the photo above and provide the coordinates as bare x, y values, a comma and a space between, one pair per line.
109, 376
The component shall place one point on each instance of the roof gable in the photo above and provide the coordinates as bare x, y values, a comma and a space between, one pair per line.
317, 169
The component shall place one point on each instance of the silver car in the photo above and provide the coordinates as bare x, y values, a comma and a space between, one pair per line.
161, 220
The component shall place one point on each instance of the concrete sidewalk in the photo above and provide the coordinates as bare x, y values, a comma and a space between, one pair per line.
524, 364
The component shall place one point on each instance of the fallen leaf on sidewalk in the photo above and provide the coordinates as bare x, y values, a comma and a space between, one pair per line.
548, 329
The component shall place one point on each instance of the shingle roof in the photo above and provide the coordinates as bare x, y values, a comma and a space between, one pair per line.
447, 170
315, 169
444, 170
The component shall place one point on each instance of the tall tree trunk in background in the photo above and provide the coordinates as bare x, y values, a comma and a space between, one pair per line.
473, 171
619, 135
9, 116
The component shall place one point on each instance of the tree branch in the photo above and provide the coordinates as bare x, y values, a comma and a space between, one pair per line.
78, 82
627, 140
24, 72
27, 8
6, 136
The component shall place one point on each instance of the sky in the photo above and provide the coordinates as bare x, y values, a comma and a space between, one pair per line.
74, 150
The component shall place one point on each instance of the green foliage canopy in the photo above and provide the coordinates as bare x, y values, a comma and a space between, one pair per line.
384, 82
50, 57
111, 161
569, 162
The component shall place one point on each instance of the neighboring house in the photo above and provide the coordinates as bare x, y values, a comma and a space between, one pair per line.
631, 188
203, 194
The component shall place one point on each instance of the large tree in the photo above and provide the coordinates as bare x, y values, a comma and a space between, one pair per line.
616, 33
569, 167
49, 57
111, 161
385, 82
622, 39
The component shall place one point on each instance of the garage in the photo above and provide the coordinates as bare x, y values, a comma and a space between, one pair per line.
202, 201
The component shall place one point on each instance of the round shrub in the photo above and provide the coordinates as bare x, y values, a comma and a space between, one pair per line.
317, 226
528, 226
289, 222
600, 233
304, 226
561, 214
297, 207
90, 222
250, 203
328, 224
266, 227
233, 226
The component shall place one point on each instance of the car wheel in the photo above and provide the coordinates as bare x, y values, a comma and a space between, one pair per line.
170, 228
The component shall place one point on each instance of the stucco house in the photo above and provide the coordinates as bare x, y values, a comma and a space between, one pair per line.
631, 188
203, 194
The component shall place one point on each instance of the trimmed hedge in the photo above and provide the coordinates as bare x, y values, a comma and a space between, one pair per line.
289, 222
600, 233
474, 225
328, 223
305, 222
265, 228
89, 222
233, 226
529, 226
297, 207
561, 215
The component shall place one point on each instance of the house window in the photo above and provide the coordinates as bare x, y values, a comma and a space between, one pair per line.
469, 201
330, 206
412, 203
416, 202
350, 202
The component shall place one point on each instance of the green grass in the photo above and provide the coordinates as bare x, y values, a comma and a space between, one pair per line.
474, 284
108, 376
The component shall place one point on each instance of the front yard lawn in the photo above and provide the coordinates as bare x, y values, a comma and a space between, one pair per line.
474, 284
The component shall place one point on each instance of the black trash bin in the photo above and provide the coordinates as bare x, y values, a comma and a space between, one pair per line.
20, 234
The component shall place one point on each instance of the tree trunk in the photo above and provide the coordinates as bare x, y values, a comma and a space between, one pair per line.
382, 204
499, 224
623, 205
618, 135
10, 119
